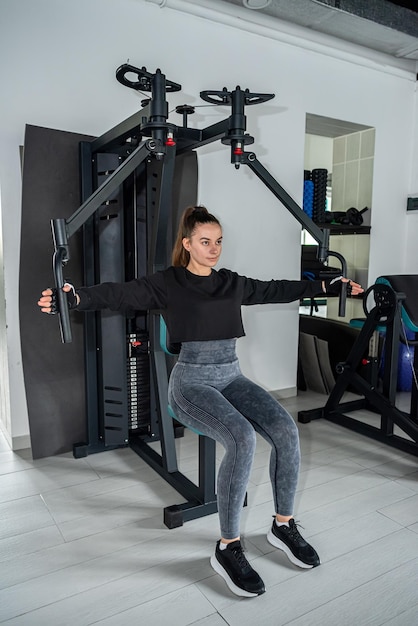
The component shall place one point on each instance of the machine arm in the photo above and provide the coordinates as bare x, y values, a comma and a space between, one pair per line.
237, 139
320, 235
63, 229
152, 123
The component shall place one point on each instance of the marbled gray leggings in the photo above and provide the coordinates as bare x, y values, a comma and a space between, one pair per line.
208, 392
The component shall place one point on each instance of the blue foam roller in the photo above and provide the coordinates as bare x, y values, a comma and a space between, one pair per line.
308, 195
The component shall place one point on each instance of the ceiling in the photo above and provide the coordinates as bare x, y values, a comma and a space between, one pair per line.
330, 127
380, 25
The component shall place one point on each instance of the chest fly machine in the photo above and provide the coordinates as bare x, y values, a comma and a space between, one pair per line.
126, 357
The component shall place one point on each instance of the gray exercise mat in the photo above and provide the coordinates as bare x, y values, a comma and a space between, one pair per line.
53, 372
308, 355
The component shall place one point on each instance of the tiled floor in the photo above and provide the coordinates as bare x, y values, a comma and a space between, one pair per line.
83, 541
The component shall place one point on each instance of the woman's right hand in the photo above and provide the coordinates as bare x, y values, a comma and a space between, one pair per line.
48, 300
45, 301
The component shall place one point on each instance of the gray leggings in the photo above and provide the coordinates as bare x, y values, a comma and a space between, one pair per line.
208, 392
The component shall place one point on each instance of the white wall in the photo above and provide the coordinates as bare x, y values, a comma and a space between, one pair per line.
318, 152
412, 219
57, 63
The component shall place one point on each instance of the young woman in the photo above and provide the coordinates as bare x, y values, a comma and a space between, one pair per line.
207, 391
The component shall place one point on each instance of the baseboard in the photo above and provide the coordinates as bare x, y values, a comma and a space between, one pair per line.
281, 394
21, 443
15, 443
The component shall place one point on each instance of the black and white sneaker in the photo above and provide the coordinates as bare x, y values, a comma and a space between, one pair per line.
289, 539
234, 568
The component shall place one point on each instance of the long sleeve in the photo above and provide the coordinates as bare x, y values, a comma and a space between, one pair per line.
274, 291
141, 294
195, 308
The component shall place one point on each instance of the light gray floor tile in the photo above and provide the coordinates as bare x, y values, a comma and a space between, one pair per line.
389, 597
103, 519
340, 488
346, 480
89, 598
121, 457
23, 515
212, 620
408, 618
409, 480
66, 506
182, 608
348, 508
324, 583
405, 512
380, 455
397, 468
28, 542
12, 462
99, 546
32, 481
333, 542
328, 472
82, 541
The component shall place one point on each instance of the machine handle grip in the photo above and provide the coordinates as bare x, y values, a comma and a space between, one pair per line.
216, 97
60, 255
144, 79
225, 97
342, 301
343, 293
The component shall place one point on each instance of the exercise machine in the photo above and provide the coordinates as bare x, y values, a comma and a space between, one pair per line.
126, 237
391, 307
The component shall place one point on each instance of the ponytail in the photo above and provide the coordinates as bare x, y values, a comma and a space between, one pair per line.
191, 217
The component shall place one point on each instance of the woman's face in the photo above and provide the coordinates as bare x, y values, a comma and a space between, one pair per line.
204, 247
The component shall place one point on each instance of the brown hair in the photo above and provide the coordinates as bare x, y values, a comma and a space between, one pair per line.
191, 217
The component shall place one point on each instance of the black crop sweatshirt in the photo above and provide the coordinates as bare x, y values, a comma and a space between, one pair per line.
195, 308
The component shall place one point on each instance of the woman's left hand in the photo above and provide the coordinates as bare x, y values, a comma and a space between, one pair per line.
332, 286
355, 288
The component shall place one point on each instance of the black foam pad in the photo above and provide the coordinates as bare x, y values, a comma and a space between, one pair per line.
53, 372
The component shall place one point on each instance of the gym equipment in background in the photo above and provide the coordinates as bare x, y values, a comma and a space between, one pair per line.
352, 216
392, 304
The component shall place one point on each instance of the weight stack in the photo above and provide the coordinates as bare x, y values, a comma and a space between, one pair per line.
139, 382
319, 179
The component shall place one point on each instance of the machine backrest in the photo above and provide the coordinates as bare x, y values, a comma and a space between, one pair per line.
407, 284
169, 348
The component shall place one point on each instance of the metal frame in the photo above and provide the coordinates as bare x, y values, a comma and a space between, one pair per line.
143, 139
201, 498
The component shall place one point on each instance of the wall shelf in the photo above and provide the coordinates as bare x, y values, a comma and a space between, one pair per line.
346, 229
